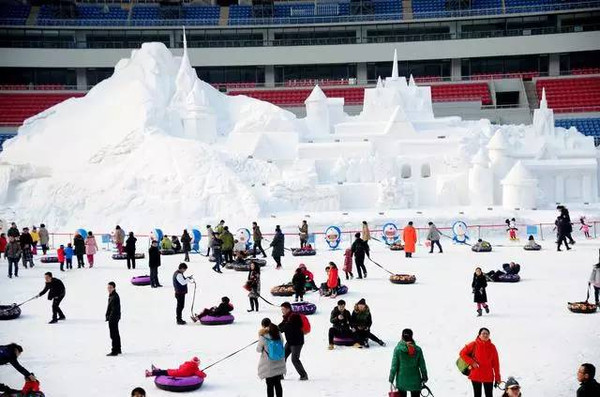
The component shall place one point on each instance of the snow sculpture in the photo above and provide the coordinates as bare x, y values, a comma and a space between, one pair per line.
317, 112
481, 180
519, 188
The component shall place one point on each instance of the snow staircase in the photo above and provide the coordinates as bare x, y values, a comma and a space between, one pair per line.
33, 15
224, 16
532, 98
407, 9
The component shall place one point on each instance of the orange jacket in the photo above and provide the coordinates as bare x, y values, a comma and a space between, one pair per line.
409, 235
332, 280
486, 355
188, 368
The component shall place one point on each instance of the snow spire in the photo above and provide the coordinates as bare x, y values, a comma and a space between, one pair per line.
379, 82
395, 66
411, 81
543, 102
316, 95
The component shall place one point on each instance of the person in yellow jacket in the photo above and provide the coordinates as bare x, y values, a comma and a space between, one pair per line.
35, 236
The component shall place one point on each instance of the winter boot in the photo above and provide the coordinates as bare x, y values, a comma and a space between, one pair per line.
148, 374
330, 347
487, 309
478, 312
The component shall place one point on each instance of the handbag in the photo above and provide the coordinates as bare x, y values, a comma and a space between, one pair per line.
462, 365
393, 393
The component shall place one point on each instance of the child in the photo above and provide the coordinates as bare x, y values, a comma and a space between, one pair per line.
595, 281
223, 309
69, 256
187, 369
333, 281
479, 285
27, 256
584, 227
60, 252
253, 285
3, 243
532, 245
348, 263
299, 283
310, 279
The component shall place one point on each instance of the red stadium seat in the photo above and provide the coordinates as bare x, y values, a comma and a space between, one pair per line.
15, 108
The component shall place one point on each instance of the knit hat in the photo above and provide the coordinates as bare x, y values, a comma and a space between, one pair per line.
511, 382
407, 334
196, 359
362, 302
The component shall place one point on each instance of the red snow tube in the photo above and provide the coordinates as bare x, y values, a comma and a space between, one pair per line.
139, 255
217, 320
49, 259
582, 307
306, 308
140, 280
9, 312
178, 384
343, 341
403, 279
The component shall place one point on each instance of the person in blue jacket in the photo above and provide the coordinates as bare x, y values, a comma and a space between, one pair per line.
69, 252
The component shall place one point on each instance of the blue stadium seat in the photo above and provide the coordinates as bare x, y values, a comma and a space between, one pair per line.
14, 14
587, 126
5, 137
515, 6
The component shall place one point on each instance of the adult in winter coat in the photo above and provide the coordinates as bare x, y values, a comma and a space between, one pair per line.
119, 238
13, 231
209, 235
217, 253
482, 357
564, 212
563, 227
186, 245
44, 238
303, 234
253, 285
91, 247
56, 293
79, 245
340, 319
176, 244
35, 236
154, 264
278, 244
271, 366
180, 284
220, 227
361, 322
408, 370
130, 250
223, 309
25, 238
479, 284
434, 235
589, 386
333, 279
113, 316
257, 239
9, 354
366, 233
595, 282
291, 326
299, 284
13, 255
309, 277
227, 246
187, 369
359, 250
3, 243
166, 243
409, 235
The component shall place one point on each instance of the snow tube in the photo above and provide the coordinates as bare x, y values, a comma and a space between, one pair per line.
396, 247
582, 307
536, 247
303, 252
229, 265
482, 248
283, 290
217, 320
341, 291
49, 259
306, 308
343, 341
140, 280
177, 384
9, 312
241, 267
259, 262
167, 252
139, 255
403, 279
508, 278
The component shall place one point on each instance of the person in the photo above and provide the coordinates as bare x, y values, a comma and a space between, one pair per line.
13, 231
333, 280
154, 263
227, 244
481, 246
209, 235
299, 283
69, 256
348, 264
223, 309
60, 253
3, 243
511, 268
180, 283
166, 244
482, 358
79, 244
564, 212
176, 244
532, 244
585, 228
271, 365
278, 244
253, 285
479, 284
13, 255
303, 234
563, 227
359, 250
589, 387
113, 315
186, 245
27, 255
409, 235
217, 253
119, 238
434, 235
365, 233
408, 370
35, 237
220, 227
340, 319
130, 250
25, 238
9, 354
361, 322
91, 247
291, 326
309, 277
595, 282
187, 369
512, 388
138, 392
56, 293
44, 238
257, 239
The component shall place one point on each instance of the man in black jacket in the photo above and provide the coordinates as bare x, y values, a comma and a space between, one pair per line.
359, 249
154, 263
9, 355
294, 336
13, 231
589, 387
113, 315
56, 293
340, 319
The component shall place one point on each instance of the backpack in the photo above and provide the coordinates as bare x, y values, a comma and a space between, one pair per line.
275, 349
305, 323
462, 365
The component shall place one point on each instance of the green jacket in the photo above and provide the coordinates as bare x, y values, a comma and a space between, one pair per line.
408, 372
227, 240
166, 244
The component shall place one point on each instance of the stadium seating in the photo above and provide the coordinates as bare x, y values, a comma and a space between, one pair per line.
509, 75
587, 126
571, 94
5, 137
87, 15
515, 6
14, 14
437, 8
14, 108
580, 71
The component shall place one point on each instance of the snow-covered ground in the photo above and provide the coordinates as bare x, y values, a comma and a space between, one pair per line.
539, 341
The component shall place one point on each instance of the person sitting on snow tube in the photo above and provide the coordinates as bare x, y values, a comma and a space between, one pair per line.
310, 279
223, 309
340, 319
166, 244
187, 369
330, 288
176, 244
361, 322
481, 246
510, 269
532, 245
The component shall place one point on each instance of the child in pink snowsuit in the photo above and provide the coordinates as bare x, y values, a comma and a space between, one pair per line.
584, 227
348, 263
91, 247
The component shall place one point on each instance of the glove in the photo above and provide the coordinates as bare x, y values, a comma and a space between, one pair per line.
496, 384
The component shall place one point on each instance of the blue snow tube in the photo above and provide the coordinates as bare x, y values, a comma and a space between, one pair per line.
82, 232
196, 237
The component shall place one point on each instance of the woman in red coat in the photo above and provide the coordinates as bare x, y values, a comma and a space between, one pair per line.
333, 281
187, 369
482, 357
409, 235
